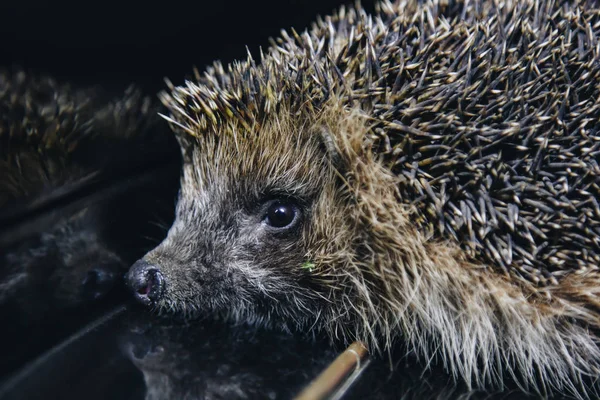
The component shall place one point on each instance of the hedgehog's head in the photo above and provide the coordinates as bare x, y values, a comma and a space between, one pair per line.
265, 223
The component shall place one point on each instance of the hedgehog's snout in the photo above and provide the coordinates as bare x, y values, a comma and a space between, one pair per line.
145, 281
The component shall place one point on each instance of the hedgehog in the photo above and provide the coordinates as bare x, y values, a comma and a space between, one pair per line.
425, 175
54, 141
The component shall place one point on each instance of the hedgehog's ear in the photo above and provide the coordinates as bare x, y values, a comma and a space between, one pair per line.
327, 142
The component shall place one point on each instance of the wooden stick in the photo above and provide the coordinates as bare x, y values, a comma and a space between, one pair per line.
333, 382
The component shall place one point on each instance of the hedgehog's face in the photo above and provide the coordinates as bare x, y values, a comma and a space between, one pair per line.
251, 214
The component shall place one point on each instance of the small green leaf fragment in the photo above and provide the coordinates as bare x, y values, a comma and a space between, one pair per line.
308, 266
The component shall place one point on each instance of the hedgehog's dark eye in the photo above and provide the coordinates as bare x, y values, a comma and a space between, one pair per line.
281, 214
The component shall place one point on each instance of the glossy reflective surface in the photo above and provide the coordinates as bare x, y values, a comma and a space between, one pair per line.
128, 354
64, 275
87, 185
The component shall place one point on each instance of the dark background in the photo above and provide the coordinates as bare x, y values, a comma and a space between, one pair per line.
116, 43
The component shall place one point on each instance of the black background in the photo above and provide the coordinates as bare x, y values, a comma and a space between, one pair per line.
116, 43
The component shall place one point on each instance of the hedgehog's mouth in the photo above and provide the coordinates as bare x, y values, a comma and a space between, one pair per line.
145, 290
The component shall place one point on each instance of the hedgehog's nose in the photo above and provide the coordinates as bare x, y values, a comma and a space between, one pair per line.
145, 281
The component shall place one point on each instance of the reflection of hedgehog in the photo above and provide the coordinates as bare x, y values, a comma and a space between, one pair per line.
429, 173
53, 138
216, 361
213, 361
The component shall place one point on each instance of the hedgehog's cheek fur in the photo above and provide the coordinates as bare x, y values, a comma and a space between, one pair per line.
240, 292
213, 271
